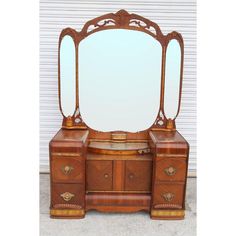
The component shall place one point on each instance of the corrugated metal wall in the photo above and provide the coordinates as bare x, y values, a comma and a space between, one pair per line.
169, 15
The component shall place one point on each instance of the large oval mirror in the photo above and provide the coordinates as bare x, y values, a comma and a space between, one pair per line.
172, 79
119, 80
67, 76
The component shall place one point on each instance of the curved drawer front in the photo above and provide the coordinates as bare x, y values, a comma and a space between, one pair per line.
68, 196
69, 169
168, 196
171, 169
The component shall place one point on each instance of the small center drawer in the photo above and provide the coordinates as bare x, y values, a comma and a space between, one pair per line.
170, 169
69, 169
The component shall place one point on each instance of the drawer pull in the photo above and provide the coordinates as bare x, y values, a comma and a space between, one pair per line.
168, 196
67, 196
170, 171
67, 169
131, 176
106, 176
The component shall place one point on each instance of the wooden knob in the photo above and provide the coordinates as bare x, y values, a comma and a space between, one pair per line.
106, 176
131, 176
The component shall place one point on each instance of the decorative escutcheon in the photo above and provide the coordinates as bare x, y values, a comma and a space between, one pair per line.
67, 169
67, 196
170, 171
168, 196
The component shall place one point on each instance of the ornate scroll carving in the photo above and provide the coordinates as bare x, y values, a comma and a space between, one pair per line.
122, 19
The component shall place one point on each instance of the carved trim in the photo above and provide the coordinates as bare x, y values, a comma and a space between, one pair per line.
65, 205
64, 154
176, 206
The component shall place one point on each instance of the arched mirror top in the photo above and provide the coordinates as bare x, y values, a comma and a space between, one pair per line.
123, 20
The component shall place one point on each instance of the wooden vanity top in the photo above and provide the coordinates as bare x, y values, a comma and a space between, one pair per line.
71, 135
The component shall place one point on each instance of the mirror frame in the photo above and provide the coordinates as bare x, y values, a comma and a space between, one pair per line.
122, 20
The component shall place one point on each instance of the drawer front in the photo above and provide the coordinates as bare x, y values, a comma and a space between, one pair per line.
168, 196
138, 175
170, 169
98, 175
67, 169
68, 196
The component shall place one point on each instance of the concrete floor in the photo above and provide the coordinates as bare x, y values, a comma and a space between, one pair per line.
101, 224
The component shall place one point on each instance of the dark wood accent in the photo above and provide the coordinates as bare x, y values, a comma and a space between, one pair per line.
118, 175
118, 202
119, 171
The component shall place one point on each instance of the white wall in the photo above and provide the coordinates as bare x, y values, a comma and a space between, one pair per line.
178, 15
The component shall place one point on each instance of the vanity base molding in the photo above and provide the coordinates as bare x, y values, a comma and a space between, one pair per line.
167, 214
118, 202
67, 213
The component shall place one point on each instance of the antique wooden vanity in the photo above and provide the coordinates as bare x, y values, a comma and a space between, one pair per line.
120, 82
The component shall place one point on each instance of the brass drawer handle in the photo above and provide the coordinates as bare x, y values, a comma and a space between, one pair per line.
67, 169
168, 196
106, 176
170, 171
144, 151
67, 196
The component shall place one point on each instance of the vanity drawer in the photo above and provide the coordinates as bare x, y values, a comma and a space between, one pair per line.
68, 195
170, 169
168, 196
68, 169
98, 175
138, 175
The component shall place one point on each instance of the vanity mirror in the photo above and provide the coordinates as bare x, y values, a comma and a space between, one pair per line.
120, 82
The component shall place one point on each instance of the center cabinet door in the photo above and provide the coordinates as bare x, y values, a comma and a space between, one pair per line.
130, 176
99, 176
138, 175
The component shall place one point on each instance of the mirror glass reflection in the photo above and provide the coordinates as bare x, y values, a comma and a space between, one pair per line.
119, 80
172, 79
67, 76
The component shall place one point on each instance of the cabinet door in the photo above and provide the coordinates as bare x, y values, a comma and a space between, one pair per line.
99, 175
138, 175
